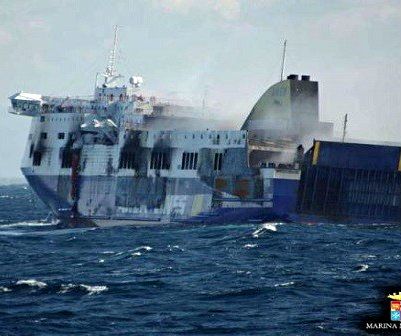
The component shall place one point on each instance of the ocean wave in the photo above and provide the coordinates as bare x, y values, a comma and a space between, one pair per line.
65, 288
94, 289
90, 290
145, 248
11, 233
136, 254
362, 268
4, 289
7, 196
284, 284
32, 283
26, 224
248, 246
248, 292
265, 227
175, 248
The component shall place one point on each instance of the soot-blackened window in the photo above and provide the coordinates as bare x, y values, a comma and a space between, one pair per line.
61, 135
218, 159
43, 135
31, 148
66, 158
159, 160
189, 161
127, 160
37, 158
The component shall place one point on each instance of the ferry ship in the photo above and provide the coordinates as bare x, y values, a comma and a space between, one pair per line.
121, 158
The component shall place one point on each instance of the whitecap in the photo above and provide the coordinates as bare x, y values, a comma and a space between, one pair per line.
146, 248
136, 254
362, 268
101, 260
94, 289
175, 248
32, 283
4, 289
26, 224
265, 227
11, 233
284, 284
66, 288
250, 245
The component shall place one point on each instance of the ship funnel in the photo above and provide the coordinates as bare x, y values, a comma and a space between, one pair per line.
293, 77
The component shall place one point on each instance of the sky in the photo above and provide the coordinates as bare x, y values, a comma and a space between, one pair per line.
230, 49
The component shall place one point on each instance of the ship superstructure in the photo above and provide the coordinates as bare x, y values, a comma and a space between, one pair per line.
123, 158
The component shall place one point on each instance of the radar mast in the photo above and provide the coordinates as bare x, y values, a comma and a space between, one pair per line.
110, 75
283, 60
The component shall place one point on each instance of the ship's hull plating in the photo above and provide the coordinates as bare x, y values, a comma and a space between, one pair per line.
199, 207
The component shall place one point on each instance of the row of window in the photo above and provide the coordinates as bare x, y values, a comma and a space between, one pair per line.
43, 118
127, 160
211, 135
66, 158
60, 135
189, 161
159, 160
110, 97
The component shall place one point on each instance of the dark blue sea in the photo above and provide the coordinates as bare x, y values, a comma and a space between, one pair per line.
259, 279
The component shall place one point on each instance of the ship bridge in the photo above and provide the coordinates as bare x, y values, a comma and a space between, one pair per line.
23, 103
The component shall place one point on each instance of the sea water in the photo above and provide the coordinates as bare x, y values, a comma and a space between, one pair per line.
250, 279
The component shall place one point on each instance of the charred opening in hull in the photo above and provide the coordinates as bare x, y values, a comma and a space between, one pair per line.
37, 158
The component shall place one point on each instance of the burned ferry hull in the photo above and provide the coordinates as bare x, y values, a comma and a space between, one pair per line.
101, 163
120, 158
129, 200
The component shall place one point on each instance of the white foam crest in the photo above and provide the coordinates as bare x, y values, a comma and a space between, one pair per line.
4, 289
284, 284
11, 233
108, 252
265, 227
174, 248
362, 268
32, 283
26, 224
248, 246
66, 288
94, 289
136, 254
146, 248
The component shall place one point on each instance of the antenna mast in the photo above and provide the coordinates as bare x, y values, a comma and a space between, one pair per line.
204, 101
283, 60
345, 126
111, 68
